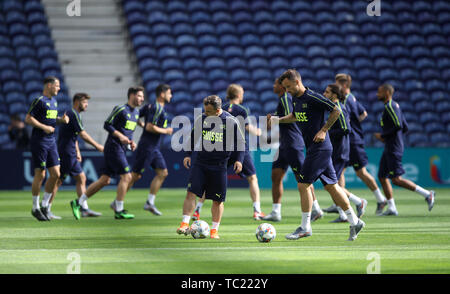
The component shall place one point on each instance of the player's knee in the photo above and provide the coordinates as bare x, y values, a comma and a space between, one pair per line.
163, 173
397, 181
126, 177
104, 180
81, 179
252, 179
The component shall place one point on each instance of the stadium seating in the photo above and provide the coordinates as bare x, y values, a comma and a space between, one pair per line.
27, 55
212, 43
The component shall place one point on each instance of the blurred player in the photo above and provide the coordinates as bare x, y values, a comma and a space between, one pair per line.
221, 136
147, 152
393, 124
120, 125
43, 117
235, 97
339, 136
70, 156
358, 156
290, 153
309, 111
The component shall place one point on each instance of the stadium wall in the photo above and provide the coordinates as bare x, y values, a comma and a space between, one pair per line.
428, 167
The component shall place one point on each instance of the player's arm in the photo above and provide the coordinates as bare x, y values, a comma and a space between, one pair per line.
253, 130
290, 118
332, 118
151, 128
30, 120
362, 116
77, 148
109, 127
88, 139
141, 123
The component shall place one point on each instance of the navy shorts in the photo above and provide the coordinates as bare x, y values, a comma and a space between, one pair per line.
339, 165
358, 156
248, 167
70, 166
318, 165
148, 157
290, 157
390, 166
44, 155
115, 163
211, 180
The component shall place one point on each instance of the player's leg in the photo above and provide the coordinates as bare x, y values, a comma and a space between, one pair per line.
39, 176
155, 185
277, 193
198, 208
388, 192
85, 211
316, 212
255, 196
96, 186
361, 204
55, 190
135, 176
306, 200
188, 208
122, 187
217, 208
49, 186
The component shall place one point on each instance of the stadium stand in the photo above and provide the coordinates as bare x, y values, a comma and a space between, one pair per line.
27, 55
406, 46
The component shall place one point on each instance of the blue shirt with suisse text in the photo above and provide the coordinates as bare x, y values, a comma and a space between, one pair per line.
123, 119
311, 111
290, 135
45, 110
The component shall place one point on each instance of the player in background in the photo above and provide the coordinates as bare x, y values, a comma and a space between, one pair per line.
235, 97
290, 153
147, 152
120, 125
393, 124
43, 117
220, 136
70, 156
309, 111
339, 136
358, 156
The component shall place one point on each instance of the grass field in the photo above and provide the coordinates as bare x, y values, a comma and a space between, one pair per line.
416, 241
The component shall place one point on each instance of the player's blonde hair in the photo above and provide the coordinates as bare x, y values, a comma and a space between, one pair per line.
342, 78
233, 91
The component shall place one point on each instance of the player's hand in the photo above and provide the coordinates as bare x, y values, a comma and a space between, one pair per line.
169, 131
79, 158
124, 140
187, 162
269, 121
237, 167
258, 132
132, 145
378, 137
65, 119
49, 129
100, 148
320, 136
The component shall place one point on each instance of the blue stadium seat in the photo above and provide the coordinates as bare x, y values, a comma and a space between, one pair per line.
328, 28
36, 17
271, 39
417, 139
446, 119
225, 28
227, 40
298, 50
440, 139
221, 17
237, 63
270, 106
279, 62
151, 75
387, 74
21, 40
160, 29
261, 74
142, 41
400, 51
434, 127
211, 51
241, 17
179, 85
200, 17
218, 74
157, 16
275, 51
263, 85
435, 85
7, 63
373, 40
173, 74
337, 51
443, 106
425, 62
28, 63
430, 73
11, 86
175, 6
246, 28
239, 6
424, 106
204, 28
166, 64
181, 29
409, 73
316, 51
214, 62
267, 28
325, 74
9, 74
382, 62
207, 39
410, 28
258, 63
254, 51
40, 28
325, 16
249, 40
314, 39
163, 40
186, 40
42, 40
440, 52
300, 62
361, 62
305, 28
357, 51
233, 51
195, 74
342, 62
49, 63
31, 74
438, 96
133, 6
200, 85
428, 117
267, 96
239, 74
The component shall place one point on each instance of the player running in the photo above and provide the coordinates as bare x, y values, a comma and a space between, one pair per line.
339, 136
290, 153
309, 111
393, 124
43, 117
120, 125
221, 138
70, 156
358, 156
235, 97
147, 152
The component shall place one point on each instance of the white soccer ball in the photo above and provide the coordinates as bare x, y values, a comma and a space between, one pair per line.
265, 233
199, 229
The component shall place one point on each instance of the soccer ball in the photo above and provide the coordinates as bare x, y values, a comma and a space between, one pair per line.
199, 229
265, 233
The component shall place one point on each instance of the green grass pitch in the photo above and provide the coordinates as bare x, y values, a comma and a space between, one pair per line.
416, 241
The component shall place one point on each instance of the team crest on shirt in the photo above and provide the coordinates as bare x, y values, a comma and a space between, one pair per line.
129, 116
305, 105
48, 104
136, 116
